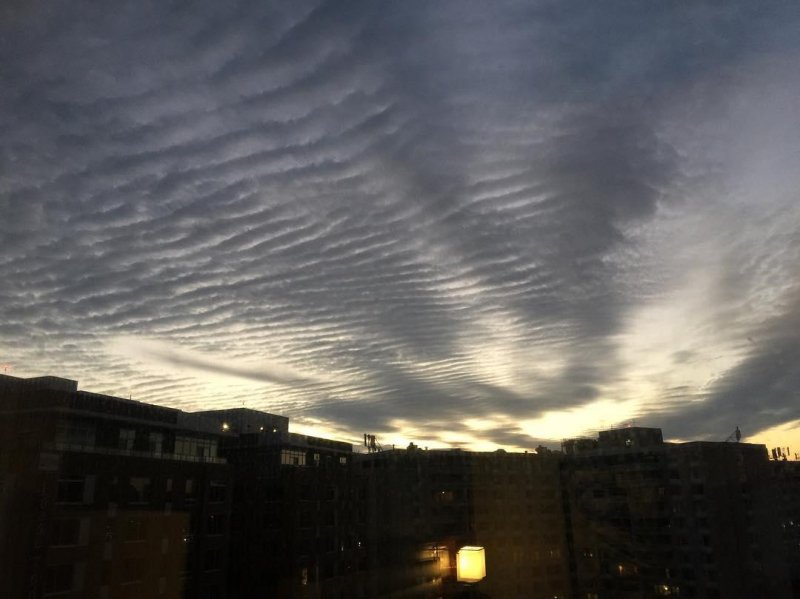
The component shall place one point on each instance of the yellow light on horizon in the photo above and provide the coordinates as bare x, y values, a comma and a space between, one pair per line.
470, 564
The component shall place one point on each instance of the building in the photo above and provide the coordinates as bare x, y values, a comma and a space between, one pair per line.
423, 505
107, 497
517, 515
649, 518
298, 514
786, 477
417, 512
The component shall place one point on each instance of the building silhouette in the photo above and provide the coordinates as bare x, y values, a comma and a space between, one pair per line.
786, 477
297, 514
650, 519
425, 504
107, 497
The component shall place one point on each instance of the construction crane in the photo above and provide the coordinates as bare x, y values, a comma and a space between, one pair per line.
736, 435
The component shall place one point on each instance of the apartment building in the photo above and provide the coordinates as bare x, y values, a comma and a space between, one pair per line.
424, 505
107, 497
298, 514
648, 518
786, 501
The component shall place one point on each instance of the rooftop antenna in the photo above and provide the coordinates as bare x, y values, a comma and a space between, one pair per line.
371, 443
736, 436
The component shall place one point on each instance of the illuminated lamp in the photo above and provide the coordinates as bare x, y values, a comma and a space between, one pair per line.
471, 564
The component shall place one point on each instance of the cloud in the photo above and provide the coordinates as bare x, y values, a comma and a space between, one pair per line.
439, 210
168, 355
762, 391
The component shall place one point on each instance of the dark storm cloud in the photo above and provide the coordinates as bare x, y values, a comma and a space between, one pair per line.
394, 192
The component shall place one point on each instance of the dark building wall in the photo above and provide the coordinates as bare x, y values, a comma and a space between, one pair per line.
517, 516
618, 510
786, 477
727, 499
104, 497
417, 511
297, 517
423, 505
654, 519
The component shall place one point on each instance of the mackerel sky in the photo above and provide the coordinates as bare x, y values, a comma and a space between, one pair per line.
461, 222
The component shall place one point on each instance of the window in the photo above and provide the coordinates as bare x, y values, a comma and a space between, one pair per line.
293, 458
70, 490
127, 437
443, 497
135, 530
132, 570
65, 532
195, 448
343, 460
75, 432
59, 579
216, 524
155, 442
213, 559
217, 492
139, 489
189, 490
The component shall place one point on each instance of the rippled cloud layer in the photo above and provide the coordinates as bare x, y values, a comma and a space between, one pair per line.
455, 222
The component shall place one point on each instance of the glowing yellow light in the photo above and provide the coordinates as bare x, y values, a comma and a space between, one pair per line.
471, 564
225, 426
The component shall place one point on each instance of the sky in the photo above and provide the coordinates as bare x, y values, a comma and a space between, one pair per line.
458, 223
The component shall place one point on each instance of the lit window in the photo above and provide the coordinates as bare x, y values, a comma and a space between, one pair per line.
195, 448
293, 458
471, 564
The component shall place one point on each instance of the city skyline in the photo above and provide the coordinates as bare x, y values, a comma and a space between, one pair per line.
434, 222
